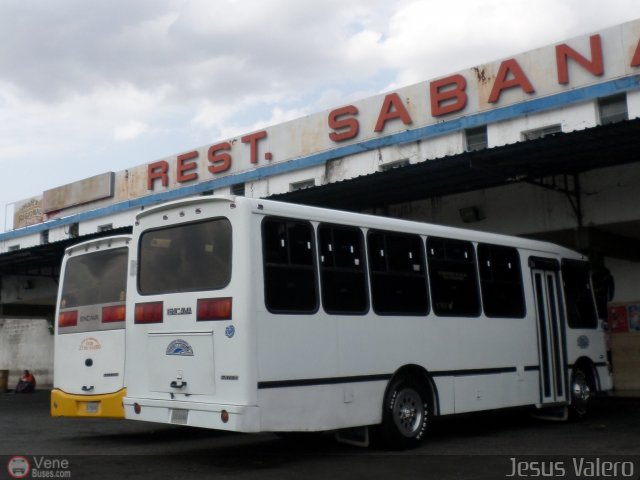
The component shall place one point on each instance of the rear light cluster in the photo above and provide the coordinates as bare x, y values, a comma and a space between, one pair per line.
68, 318
150, 312
214, 309
115, 313
207, 309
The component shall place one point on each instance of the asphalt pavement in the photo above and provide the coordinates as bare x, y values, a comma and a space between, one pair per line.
473, 446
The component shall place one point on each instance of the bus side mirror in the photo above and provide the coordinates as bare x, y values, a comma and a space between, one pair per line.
611, 290
603, 289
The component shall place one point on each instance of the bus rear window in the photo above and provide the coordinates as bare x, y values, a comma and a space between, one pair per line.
186, 257
94, 292
95, 278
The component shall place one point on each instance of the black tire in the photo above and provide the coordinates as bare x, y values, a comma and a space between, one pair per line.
406, 414
580, 394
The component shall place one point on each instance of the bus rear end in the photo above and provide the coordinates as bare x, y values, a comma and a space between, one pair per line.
189, 336
88, 377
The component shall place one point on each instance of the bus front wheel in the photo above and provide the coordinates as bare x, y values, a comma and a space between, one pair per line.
406, 414
580, 394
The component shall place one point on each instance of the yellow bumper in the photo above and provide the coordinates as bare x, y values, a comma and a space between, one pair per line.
99, 406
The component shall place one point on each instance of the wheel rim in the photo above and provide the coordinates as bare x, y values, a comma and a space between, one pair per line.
580, 393
408, 412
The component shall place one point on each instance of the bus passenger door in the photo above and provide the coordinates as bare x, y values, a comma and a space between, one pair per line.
551, 332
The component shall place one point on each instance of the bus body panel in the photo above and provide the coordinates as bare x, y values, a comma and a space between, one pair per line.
241, 418
90, 363
313, 408
287, 371
208, 365
89, 352
587, 344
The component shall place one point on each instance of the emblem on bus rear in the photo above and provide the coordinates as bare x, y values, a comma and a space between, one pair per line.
179, 347
230, 331
90, 343
583, 341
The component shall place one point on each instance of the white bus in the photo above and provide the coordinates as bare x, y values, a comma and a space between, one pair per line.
88, 374
252, 315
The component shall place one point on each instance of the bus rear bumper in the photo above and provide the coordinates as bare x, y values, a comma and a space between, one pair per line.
100, 406
239, 418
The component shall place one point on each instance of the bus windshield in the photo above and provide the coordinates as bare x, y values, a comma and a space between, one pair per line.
185, 257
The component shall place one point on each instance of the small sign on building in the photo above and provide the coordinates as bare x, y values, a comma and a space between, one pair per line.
28, 212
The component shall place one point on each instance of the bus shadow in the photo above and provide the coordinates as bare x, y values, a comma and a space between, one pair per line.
236, 452
160, 435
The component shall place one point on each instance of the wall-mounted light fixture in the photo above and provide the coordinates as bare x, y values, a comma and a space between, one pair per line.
471, 214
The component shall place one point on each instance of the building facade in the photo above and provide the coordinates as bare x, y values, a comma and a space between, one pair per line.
542, 144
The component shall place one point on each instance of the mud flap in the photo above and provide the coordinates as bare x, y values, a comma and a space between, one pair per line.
356, 436
554, 414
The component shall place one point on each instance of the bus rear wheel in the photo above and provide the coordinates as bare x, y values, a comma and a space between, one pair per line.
406, 414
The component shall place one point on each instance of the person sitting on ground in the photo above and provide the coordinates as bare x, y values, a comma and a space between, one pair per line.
27, 383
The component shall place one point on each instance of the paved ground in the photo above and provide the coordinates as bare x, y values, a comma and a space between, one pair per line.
468, 446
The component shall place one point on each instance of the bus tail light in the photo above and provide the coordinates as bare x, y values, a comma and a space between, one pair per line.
214, 309
150, 312
68, 319
114, 313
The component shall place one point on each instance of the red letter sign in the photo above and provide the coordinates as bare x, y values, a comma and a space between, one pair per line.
564, 52
253, 141
448, 95
392, 108
157, 170
519, 80
635, 61
220, 162
349, 126
183, 166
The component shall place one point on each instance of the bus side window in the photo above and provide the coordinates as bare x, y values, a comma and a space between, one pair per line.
578, 295
342, 273
453, 278
398, 274
289, 267
501, 281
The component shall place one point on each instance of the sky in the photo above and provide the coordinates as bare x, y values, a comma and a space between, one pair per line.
93, 87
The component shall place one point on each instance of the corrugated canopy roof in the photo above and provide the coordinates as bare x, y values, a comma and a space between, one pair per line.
45, 260
562, 153
557, 154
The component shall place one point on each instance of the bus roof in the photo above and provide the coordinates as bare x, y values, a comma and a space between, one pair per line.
273, 207
97, 242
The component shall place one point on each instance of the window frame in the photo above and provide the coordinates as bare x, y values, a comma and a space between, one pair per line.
313, 267
322, 270
493, 281
606, 103
570, 315
473, 271
184, 290
476, 138
375, 272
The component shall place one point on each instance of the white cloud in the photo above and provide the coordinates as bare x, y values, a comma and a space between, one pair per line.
130, 131
428, 39
89, 87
